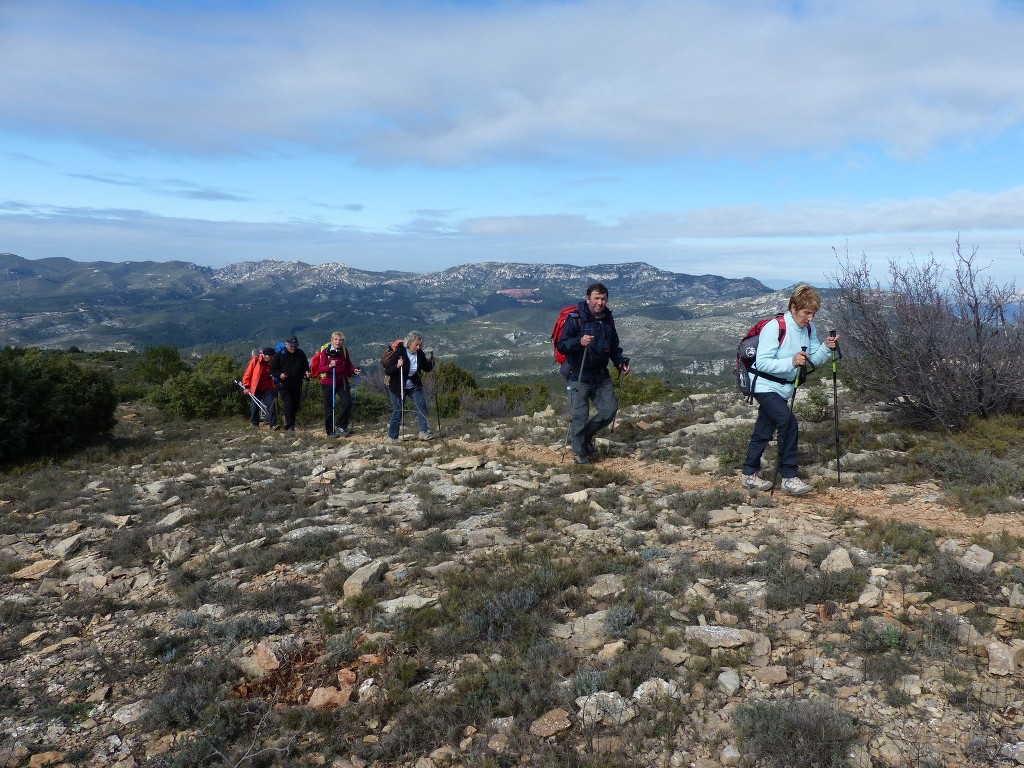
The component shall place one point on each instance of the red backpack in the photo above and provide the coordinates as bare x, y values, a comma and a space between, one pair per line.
556, 332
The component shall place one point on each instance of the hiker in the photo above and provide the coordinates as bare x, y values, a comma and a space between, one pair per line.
589, 342
291, 369
403, 369
258, 381
333, 367
783, 360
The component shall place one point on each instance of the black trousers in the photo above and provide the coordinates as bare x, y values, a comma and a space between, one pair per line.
337, 409
291, 401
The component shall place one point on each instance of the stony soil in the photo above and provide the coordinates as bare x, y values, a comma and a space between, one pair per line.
129, 577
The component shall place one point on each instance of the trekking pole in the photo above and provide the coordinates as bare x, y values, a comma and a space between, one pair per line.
619, 380
401, 380
573, 391
256, 400
355, 393
778, 445
796, 382
836, 355
437, 409
334, 392
278, 410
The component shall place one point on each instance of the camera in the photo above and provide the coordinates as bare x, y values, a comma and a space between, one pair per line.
332, 352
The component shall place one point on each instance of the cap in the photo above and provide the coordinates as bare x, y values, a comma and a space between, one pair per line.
267, 350
292, 340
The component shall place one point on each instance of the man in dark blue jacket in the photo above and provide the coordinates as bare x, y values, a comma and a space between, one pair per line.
291, 369
589, 342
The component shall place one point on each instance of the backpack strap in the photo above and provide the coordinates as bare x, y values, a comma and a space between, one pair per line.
781, 317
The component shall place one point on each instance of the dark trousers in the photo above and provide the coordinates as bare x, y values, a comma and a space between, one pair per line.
773, 414
291, 401
337, 409
583, 426
269, 399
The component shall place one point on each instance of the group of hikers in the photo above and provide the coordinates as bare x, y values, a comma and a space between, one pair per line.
587, 340
272, 372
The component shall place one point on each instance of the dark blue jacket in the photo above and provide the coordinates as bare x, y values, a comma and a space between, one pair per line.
602, 350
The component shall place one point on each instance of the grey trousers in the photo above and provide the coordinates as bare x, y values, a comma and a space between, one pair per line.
583, 426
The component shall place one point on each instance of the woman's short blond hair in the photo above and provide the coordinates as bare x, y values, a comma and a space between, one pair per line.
805, 297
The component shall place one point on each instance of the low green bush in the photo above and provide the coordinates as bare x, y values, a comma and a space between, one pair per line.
50, 406
208, 392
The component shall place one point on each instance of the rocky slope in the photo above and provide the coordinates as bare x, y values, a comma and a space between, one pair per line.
214, 595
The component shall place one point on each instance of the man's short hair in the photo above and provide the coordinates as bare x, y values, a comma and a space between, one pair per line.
805, 297
596, 288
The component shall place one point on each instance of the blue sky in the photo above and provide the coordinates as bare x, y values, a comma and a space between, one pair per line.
731, 137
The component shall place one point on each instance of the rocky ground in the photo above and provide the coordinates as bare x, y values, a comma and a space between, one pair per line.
207, 594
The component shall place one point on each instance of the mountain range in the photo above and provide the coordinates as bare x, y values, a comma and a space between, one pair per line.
494, 318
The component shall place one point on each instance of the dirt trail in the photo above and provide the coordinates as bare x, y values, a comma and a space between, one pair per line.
919, 505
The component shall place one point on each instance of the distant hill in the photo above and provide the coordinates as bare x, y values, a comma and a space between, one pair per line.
494, 317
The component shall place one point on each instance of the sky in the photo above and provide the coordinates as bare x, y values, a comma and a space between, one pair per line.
777, 140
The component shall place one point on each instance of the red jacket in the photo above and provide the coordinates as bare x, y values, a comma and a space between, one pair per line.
257, 376
320, 367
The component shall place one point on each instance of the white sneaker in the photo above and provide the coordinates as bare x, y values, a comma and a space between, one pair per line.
755, 482
796, 486
428, 435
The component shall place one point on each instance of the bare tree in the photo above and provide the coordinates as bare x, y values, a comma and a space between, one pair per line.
939, 352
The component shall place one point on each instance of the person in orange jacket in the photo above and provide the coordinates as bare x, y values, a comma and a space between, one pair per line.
260, 383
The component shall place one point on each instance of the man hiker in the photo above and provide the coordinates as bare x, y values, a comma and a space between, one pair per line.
260, 383
291, 369
332, 366
589, 342
776, 367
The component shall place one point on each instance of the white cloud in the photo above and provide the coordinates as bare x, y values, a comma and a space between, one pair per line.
450, 85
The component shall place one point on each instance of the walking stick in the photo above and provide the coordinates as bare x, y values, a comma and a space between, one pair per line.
355, 393
256, 400
792, 402
836, 355
573, 391
334, 390
401, 380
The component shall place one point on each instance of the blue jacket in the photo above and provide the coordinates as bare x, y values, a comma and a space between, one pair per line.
602, 350
778, 360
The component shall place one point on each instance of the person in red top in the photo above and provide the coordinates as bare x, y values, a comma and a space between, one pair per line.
332, 367
259, 382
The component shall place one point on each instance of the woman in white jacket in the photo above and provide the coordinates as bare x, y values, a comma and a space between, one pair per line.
777, 364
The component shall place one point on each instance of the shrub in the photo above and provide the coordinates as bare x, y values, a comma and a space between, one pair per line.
208, 392
784, 734
939, 352
50, 405
158, 364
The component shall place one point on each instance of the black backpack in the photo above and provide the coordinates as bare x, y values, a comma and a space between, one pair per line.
746, 353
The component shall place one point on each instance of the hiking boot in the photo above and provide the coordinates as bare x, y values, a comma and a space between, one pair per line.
428, 435
591, 449
755, 482
393, 440
342, 433
581, 459
796, 486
